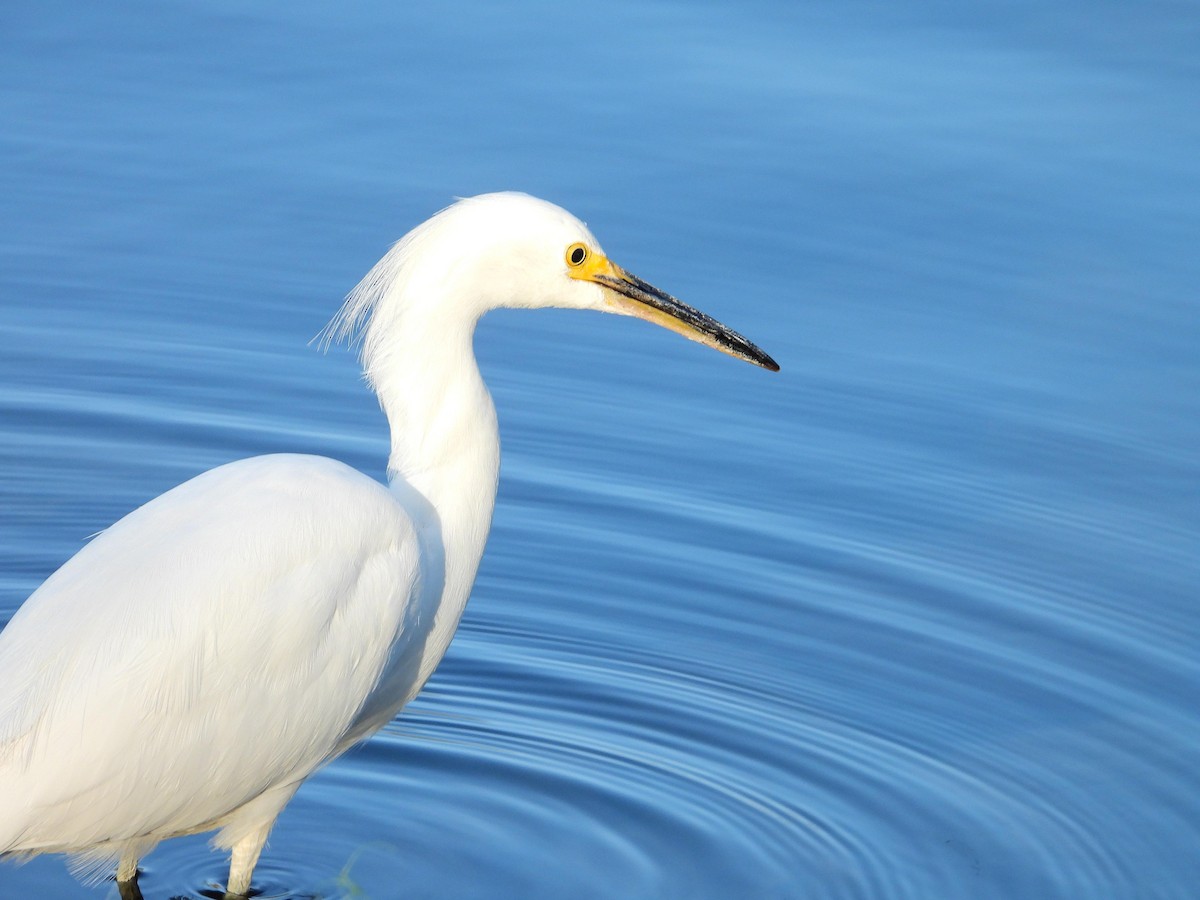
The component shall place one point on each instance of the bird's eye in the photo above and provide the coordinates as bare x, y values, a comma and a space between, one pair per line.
576, 254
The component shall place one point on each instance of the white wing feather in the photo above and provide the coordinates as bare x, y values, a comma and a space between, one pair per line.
171, 650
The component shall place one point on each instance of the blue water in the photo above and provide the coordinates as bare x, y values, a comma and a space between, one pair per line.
915, 618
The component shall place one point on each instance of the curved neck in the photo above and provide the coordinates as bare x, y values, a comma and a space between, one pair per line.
445, 441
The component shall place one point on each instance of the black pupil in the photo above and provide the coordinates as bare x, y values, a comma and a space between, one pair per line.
577, 255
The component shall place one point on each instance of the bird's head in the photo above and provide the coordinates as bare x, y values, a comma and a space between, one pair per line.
513, 250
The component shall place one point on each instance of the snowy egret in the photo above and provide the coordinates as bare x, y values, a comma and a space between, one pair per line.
187, 669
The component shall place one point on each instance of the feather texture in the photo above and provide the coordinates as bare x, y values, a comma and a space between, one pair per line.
193, 677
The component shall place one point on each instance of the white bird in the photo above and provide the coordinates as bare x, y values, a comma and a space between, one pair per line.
188, 668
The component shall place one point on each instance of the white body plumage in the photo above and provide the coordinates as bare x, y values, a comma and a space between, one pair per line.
253, 622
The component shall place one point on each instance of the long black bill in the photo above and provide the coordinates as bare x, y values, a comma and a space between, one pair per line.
648, 302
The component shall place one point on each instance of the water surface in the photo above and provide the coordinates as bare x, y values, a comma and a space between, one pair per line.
915, 618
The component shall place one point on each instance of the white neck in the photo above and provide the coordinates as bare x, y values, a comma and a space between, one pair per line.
445, 458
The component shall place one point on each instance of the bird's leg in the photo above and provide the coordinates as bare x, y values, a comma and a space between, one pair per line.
127, 872
127, 868
241, 863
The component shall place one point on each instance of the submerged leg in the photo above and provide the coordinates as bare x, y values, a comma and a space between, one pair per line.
245, 855
127, 872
